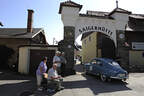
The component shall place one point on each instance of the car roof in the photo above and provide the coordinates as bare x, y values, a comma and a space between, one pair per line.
104, 59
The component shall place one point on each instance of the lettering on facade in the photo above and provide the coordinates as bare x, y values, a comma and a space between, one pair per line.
96, 28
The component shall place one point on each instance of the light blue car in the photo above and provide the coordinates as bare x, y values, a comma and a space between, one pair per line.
107, 69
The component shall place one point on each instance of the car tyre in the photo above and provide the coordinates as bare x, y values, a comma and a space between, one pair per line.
109, 79
85, 72
103, 77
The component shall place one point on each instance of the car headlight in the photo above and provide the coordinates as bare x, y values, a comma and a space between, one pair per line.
121, 75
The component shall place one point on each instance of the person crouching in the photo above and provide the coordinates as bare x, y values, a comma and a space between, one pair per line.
54, 78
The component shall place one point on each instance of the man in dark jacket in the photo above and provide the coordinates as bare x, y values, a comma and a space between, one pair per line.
63, 64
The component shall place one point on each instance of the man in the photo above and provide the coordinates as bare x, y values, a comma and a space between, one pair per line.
63, 64
53, 77
57, 60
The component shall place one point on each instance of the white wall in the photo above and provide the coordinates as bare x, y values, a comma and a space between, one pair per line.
121, 19
70, 17
82, 22
23, 66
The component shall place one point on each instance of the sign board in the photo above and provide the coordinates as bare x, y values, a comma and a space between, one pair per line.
138, 45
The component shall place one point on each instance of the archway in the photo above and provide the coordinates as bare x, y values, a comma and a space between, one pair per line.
97, 44
111, 24
108, 48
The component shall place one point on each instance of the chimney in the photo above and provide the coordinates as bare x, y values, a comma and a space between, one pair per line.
30, 20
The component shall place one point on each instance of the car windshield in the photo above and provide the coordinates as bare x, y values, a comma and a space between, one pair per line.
115, 64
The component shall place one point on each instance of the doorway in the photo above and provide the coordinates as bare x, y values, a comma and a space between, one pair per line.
5, 54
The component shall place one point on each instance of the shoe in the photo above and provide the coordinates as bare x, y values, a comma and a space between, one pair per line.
39, 89
50, 90
61, 87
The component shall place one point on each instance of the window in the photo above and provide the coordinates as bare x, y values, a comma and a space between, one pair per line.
138, 45
98, 62
89, 38
84, 41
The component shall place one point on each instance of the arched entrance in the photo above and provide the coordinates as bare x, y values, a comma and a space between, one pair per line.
111, 24
96, 44
108, 47
5, 54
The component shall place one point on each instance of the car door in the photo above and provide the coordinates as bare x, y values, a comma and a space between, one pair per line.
93, 66
98, 67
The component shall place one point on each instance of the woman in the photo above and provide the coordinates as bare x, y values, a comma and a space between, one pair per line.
42, 68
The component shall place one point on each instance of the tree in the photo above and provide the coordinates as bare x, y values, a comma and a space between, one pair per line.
1, 24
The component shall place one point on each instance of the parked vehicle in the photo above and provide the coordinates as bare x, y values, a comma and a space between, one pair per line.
106, 68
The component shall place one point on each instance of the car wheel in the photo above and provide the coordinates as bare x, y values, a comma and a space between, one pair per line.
85, 72
103, 78
109, 79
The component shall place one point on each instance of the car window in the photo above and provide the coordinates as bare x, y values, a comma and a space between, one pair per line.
93, 62
98, 62
114, 64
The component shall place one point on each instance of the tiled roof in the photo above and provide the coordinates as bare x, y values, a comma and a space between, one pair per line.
104, 15
18, 32
69, 4
137, 16
120, 10
97, 13
97, 16
135, 23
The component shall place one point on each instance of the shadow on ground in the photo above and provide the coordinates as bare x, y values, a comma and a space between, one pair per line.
95, 84
12, 84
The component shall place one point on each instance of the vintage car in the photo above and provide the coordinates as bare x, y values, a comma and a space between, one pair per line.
106, 68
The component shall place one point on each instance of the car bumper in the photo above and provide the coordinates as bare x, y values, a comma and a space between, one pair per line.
120, 78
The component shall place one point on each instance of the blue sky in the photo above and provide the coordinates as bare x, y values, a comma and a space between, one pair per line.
13, 13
